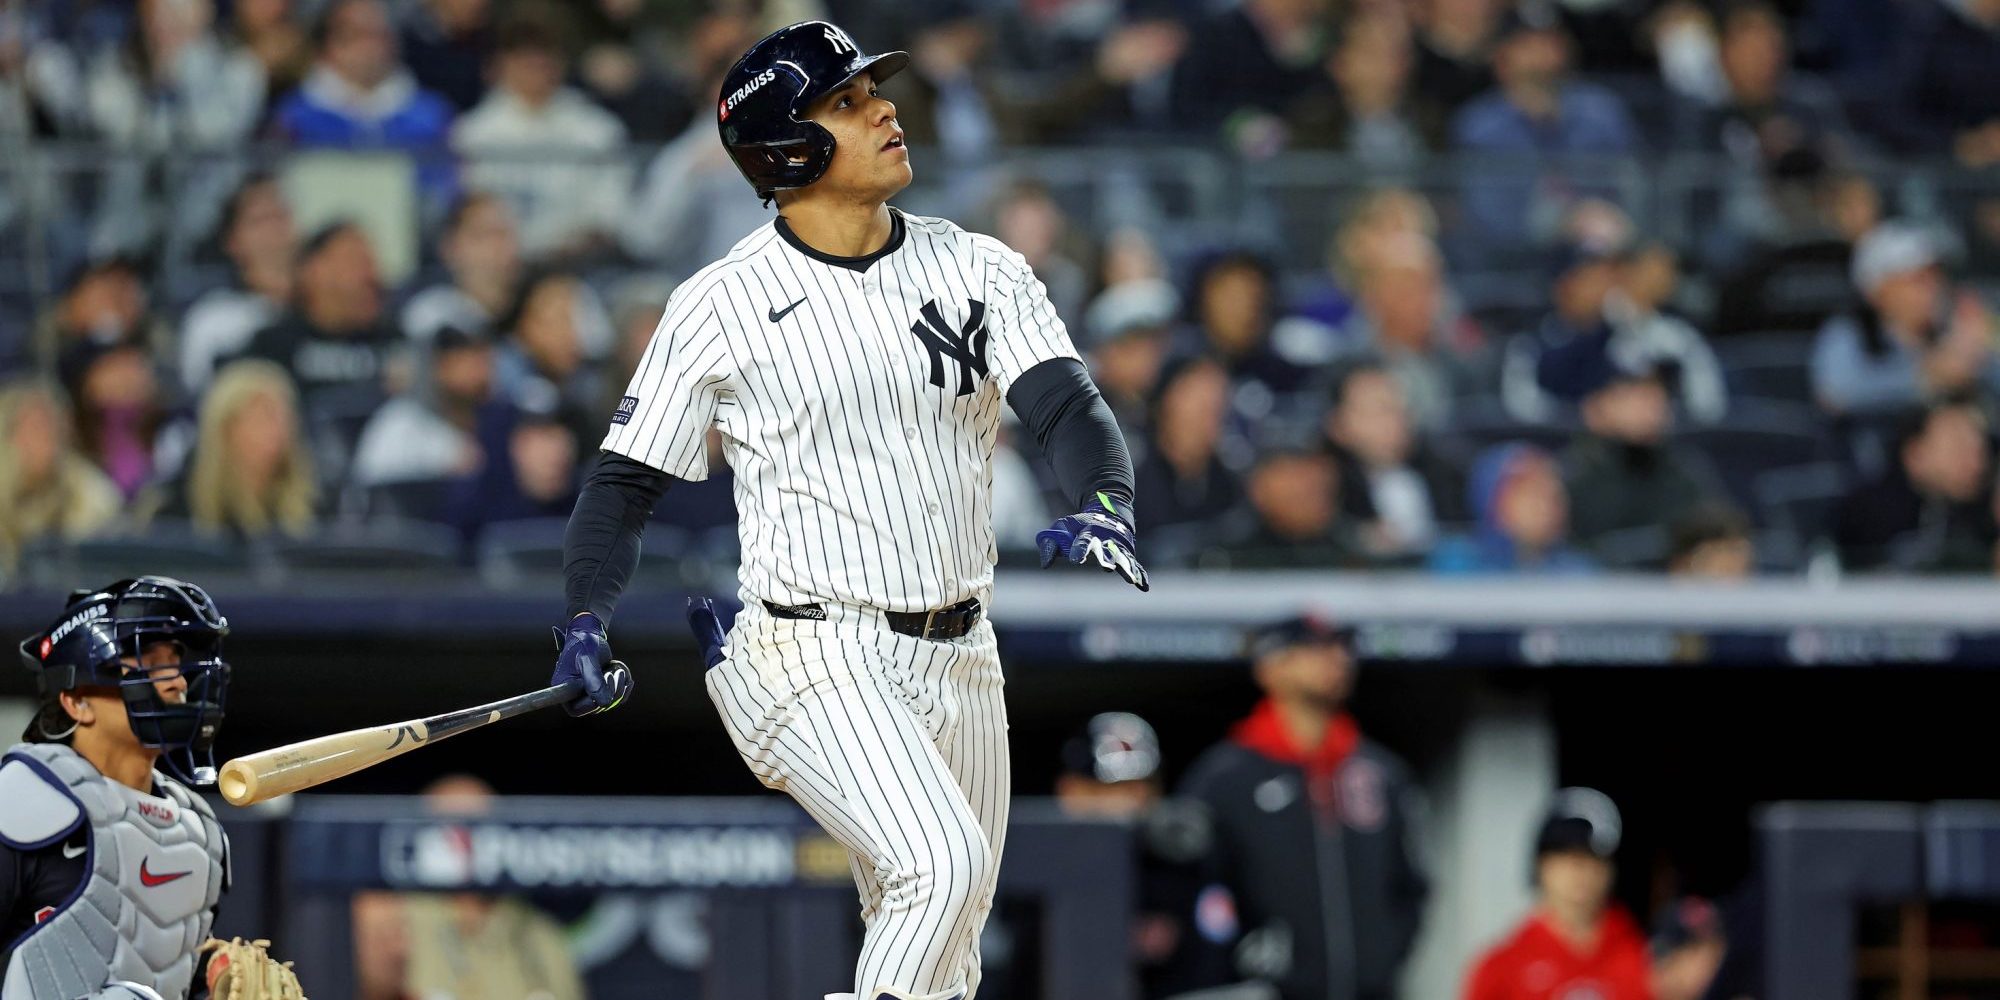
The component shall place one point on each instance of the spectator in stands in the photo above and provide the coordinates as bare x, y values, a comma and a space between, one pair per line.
1181, 471
689, 209
1314, 827
360, 95
1129, 253
546, 345
1454, 47
251, 475
1403, 316
478, 944
47, 489
530, 469
1522, 512
568, 202
1618, 295
1627, 481
620, 67
1514, 197
447, 43
957, 102
1127, 329
1930, 513
104, 302
1251, 62
1364, 106
1027, 219
1795, 276
1234, 310
1711, 544
1904, 345
258, 237
636, 307
174, 84
1294, 518
483, 256
335, 340
270, 32
120, 408
1576, 940
426, 434
1390, 481
1766, 110
1372, 224
1937, 96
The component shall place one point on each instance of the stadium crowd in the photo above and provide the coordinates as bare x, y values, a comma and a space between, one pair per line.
1499, 366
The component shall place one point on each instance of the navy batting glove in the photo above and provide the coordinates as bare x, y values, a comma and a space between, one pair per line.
585, 655
1100, 533
707, 629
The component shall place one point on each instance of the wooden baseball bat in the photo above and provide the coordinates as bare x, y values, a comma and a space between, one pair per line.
286, 769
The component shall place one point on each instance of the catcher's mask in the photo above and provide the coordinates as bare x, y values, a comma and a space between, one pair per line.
104, 636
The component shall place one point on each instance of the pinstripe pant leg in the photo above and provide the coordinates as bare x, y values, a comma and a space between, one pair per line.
822, 715
976, 752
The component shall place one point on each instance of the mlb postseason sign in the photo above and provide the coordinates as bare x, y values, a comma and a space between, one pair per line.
532, 849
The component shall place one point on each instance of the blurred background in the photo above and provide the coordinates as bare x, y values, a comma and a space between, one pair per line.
1593, 396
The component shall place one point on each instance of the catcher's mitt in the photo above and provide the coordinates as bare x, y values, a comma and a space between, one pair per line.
244, 970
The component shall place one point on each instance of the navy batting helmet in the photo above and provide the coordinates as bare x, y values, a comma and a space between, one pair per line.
768, 89
100, 630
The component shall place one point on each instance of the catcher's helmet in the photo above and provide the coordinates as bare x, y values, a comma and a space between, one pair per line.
765, 92
99, 628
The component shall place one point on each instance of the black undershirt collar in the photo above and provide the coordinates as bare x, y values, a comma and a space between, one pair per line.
860, 263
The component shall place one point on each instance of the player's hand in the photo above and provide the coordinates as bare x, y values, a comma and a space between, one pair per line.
707, 629
585, 656
1099, 533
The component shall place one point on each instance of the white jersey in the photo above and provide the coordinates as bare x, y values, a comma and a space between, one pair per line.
857, 407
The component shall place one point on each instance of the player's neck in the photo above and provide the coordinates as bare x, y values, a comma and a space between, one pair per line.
130, 765
839, 229
1577, 925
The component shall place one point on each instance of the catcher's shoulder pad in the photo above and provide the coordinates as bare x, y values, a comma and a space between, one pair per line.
36, 808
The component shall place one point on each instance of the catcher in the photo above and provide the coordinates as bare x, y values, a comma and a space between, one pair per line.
110, 870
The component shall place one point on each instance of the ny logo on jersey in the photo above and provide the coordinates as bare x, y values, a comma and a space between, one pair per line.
967, 345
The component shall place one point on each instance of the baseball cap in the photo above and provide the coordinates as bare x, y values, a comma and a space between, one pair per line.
1580, 819
1302, 630
1146, 304
1113, 747
1890, 249
1526, 17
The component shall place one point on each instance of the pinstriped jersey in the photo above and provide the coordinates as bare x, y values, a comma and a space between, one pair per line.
857, 406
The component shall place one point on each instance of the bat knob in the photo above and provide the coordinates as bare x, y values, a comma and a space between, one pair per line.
238, 783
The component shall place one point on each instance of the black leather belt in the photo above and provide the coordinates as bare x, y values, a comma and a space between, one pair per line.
938, 623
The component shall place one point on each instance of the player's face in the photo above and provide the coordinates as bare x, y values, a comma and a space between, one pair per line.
870, 162
1576, 879
104, 708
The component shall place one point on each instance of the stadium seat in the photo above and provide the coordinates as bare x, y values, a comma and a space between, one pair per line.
1757, 436
415, 499
1799, 500
367, 550
510, 552
164, 543
1775, 366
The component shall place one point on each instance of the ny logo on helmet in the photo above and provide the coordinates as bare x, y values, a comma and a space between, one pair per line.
966, 345
839, 41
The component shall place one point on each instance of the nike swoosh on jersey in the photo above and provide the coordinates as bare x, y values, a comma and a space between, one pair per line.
148, 879
77, 850
778, 314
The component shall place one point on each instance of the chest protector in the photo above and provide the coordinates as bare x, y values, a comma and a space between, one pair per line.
157, 866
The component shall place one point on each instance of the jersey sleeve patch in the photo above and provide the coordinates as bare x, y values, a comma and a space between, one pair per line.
626, 406
35, 809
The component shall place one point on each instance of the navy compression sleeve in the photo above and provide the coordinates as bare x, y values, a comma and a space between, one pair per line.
601, 544
1062, 409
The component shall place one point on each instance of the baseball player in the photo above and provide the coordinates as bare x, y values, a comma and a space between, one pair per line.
854, 359
111, 871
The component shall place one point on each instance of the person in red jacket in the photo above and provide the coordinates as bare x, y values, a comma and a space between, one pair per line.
1577, 944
